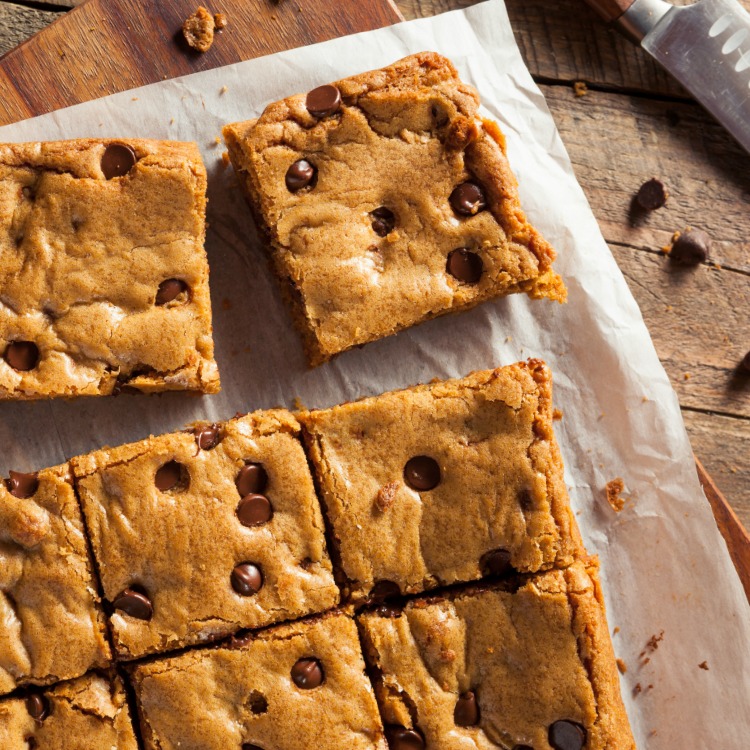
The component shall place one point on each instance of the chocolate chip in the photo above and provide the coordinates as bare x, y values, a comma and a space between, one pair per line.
22, 355
254, 510
323, 101
651, 195
464, 265
307, 673
387, 610
38, 706
466, 712
169, 290
247, 579
495, 562
168, 476
248, 746
258, 702
22, 485
745, 363
28, 192
401, 738
207, 437
117, 160
252, 479
383, 590
422, 473
691, 247
134, 603
299, 175
383, 221
468, 199
567, 735
522, 747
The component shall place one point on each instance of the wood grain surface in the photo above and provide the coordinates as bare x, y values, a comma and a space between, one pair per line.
635, 122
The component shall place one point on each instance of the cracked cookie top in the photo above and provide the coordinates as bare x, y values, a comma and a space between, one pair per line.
103, 275
443, 483
198, 534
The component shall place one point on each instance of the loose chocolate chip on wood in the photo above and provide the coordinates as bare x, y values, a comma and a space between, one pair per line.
691, 247
652, 195
307, 673
38, 707
422, 473
117, 160
207, 437
22, 355
299, 175
383, 590
496, 562
567, 735
383, 221
134, 603
323, 101
401, 738
22, 485
170, 289
464, 265
252, 479
247, 579
468, 199
466, 712
254, 510
745, 364
168, 476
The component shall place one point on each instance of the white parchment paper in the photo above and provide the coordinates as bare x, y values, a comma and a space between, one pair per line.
665, 565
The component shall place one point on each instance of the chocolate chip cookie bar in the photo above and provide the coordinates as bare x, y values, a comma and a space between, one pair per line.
294, 687
103, 275
525, 667
51, 624
443, 483
198, 534
387, 200
90, 713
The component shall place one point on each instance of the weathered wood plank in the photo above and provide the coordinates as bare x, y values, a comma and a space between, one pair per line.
18, 23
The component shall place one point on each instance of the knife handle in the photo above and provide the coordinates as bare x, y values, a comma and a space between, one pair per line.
610, 10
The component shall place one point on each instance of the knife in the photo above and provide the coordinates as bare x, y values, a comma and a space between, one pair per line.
705, 46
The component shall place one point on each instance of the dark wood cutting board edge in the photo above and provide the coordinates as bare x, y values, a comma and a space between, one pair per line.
106, 46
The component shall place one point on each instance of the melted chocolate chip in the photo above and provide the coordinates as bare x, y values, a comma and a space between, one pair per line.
248, 746
383, 221
169, 290
207, 437
464, 265
522, 747
383, 590
567, 735
468, 199
22, 355
117, 160
247, 579
299, 175
651, 195
168, 476
323, 101
254, 510
134, 603
422, 473
691, 247
22, 485
401, 738
252, 479
466, 712
307, 673
495, 562
38, 706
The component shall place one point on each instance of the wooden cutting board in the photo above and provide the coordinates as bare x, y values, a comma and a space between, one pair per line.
106, 46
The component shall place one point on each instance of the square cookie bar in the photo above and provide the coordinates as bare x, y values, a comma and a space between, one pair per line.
200, 533
103, 275
90, 713
294, 687
444, 482
51, 623
387, 200
526, 668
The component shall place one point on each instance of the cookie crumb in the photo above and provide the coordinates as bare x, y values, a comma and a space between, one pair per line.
621, 666
557, 415
637, 689
220, 21
298, 405
704, 665
614, 488
651, 645
616, 630
580, 88
223, 90
386, 495
225, 159
686, 376
198, 30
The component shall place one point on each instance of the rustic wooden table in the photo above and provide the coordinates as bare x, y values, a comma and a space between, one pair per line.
633, 123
